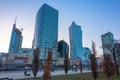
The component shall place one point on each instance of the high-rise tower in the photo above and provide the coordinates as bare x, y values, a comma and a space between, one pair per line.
76, 47
46, 31
107, 41
16, 40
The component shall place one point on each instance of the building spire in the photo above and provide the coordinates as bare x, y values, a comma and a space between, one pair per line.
73, 23
15, 19
15, 22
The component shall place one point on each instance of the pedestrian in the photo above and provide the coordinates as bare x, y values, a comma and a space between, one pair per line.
25, 72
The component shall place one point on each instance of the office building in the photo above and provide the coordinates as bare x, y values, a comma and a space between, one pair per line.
107, 41
16, 40
76, 47
46, 31
86, 52
63, 48
86, 59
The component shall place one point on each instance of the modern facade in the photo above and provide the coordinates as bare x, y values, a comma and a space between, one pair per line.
16, 40
76, 47
107, 40
86, 60
3, 57
86, 52
18, 59
63, 48
28, 51
46, 31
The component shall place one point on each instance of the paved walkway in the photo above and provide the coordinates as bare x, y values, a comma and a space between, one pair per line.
20, 75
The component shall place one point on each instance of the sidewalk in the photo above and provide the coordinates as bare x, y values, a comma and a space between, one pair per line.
20, 75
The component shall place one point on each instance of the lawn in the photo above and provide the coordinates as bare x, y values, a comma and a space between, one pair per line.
84, 76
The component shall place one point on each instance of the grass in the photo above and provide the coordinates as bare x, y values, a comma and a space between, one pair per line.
84, 76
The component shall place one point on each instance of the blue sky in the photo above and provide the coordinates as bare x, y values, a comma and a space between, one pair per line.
95, 17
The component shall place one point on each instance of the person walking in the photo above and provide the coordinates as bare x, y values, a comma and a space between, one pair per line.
25, 72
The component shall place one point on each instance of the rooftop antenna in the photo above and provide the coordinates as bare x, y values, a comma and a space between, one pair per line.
15, 22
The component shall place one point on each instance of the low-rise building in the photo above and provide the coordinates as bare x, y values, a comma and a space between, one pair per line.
16, 58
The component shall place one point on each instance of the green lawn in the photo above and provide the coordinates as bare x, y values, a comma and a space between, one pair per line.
85, 76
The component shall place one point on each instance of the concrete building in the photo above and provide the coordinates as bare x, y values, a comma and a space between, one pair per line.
46, 31
16, 40
63, 48
107, 40
76, 47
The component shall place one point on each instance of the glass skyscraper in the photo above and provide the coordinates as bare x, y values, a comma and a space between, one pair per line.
107, 40
16, 40
76, 47
46, 31
63, 48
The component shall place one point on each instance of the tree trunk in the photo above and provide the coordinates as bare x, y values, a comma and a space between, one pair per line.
95, 78
117, 70
108, 77
66, 76
35, 77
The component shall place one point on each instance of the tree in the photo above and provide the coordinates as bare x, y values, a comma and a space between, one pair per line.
80, 65
35, 65
100, 66
66, 65
108, 66
116, 56
93, 62
112, 49
47, 67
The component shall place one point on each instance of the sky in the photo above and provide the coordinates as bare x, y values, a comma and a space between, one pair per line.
96, 17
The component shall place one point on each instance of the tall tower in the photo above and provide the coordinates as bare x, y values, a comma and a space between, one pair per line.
76, 47
46, 31
107, 40
16, 40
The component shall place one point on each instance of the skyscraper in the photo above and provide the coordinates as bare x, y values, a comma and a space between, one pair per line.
76, 47
107, 40
63, 48
16, 40
46, 31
